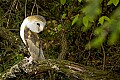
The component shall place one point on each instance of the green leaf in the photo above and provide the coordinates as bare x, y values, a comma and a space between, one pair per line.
118, 26
79, 0
110, 2
62, 2
115, 2
59, 27
98, 30
113, 38
85, 21
64, 15
101, 20
106, 18
75, 19
97, 42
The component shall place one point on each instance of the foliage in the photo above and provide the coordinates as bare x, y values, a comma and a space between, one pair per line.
90, 28
75, 19
115, 2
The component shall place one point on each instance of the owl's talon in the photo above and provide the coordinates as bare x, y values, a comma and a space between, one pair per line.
30, 59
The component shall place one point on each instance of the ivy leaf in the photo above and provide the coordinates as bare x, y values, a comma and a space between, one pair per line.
79, 0
62, 2
85, 21
75, 19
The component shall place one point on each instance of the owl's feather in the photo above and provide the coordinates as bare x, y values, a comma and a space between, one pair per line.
33, 44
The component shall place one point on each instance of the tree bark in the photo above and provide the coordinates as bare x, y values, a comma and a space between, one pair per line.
53, 70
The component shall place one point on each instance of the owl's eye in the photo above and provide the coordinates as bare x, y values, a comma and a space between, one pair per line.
38, 24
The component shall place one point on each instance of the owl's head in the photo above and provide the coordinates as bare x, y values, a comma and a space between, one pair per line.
35, 23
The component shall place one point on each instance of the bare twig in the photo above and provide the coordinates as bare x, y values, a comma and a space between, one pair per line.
89, 47
42, 9
37, 9
11, 7
8, 21
33, 7
13, 29
104, 58
25, 8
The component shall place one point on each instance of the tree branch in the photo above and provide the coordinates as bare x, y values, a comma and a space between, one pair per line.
55, 68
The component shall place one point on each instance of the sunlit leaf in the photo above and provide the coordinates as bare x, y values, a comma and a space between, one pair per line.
115, 2
110, 2
62, 2
79, 0
85, 21
75, 19
64, 15
106, 18
102, 19
59, 27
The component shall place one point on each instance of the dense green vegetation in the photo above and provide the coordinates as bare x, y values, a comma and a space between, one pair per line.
83, 31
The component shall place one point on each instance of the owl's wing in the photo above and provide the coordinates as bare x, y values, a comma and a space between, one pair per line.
33, 44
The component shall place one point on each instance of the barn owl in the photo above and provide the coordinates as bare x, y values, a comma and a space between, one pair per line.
28, 33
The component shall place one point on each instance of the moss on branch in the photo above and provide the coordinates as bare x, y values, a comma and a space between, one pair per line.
53, 69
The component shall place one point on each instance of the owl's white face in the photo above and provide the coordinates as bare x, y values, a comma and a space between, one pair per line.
35, 23
36, 26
